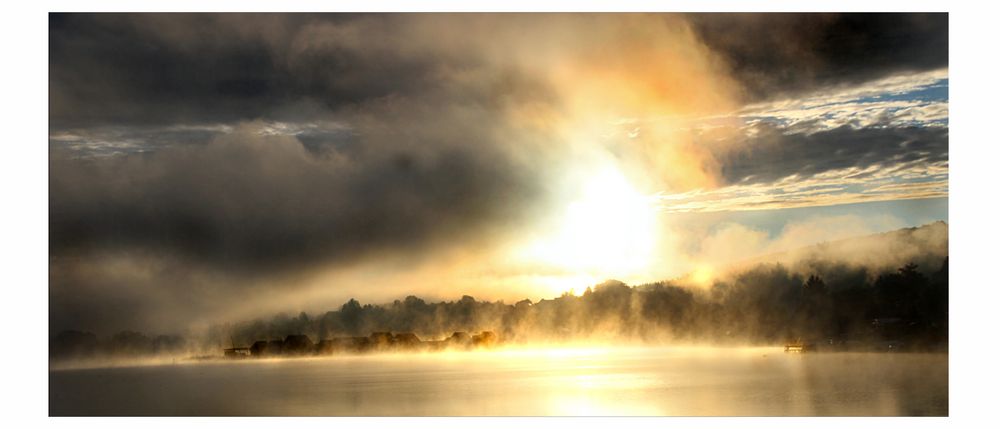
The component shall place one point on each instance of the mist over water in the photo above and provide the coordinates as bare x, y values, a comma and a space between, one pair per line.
579, 214
682, 381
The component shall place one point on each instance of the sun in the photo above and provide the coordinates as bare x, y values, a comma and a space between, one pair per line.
606, 230
703, 275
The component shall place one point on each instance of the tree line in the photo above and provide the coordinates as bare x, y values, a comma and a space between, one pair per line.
767, 304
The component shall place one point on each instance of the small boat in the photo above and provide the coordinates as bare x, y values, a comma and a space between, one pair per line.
799, 347
236, 352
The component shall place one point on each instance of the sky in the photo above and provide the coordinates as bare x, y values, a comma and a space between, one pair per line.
217, 167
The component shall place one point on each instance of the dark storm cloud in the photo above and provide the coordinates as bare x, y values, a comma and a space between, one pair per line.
411, 157
776, 55
249, 202
772, 155
168, 237
206, 68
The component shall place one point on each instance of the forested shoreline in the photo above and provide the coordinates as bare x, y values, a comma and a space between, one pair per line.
768, 304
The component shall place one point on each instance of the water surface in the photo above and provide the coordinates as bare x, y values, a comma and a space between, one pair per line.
687, 381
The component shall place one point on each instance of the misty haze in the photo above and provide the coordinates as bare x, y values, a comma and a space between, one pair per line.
498, 214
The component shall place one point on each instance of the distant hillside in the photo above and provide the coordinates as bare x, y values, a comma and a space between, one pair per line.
885, 291
925, 246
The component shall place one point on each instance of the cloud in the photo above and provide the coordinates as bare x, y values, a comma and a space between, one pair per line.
776, 56
264, 151
772, 155
252, 201
202, 159
733, 245
903, 100
184, 233
156, 69
772, 169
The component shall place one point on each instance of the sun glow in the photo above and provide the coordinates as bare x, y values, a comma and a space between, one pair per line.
607, 230
703, 275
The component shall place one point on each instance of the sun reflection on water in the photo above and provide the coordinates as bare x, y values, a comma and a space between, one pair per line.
570, 381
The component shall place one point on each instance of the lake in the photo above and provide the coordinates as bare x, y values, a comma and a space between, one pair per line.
658, 381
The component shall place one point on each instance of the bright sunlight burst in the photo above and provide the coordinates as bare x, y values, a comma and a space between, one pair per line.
608, 230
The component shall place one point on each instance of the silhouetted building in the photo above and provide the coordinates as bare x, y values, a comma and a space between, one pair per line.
406, 340
485, 339
298, 345
360, 344
436, 345
459, 339
275, 347
380, 340
326, 347
261, 349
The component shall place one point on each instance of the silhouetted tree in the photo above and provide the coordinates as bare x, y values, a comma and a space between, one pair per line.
766, 303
